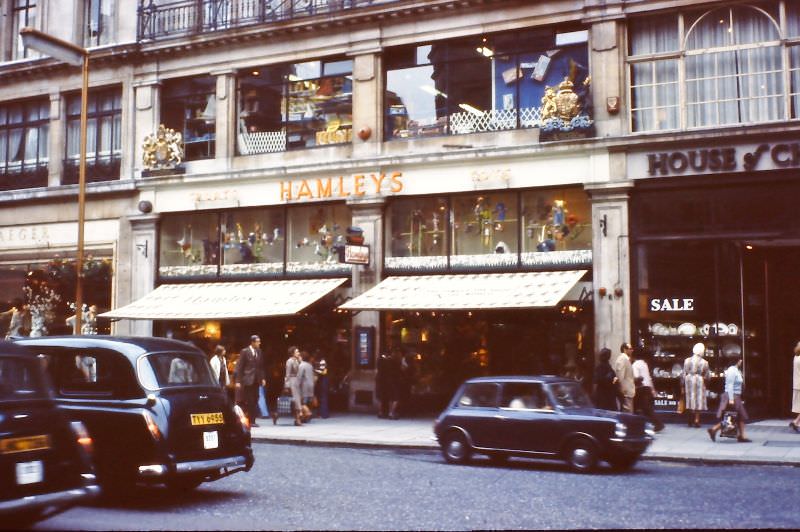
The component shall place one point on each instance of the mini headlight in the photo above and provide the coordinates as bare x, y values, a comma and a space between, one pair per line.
620, 430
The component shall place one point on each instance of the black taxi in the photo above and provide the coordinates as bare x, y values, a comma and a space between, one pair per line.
45, 459
152, 407
538, 417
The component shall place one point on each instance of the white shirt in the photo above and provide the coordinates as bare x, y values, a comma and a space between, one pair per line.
640, 369
733, 382
215, 367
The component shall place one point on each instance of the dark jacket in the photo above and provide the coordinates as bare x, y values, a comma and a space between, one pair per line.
605, 391
250, 367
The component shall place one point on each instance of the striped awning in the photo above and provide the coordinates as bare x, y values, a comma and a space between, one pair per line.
468, 292
201, 301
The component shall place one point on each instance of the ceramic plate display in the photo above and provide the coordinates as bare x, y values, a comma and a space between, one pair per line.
687, 329
676, 370
658, 329
720, 328
705, 329
733, 329
731, 349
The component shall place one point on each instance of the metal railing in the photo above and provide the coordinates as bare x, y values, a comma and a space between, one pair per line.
165, 19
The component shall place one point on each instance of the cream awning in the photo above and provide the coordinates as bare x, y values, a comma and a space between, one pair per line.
201, 301
468, 292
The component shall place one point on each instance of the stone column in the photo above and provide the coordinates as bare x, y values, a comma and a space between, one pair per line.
607, 60
57, 140
368, 215
147, 110
367, 98
226, 122
611, 269
135, 275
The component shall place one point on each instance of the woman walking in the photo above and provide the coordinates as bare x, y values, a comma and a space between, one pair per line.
732, 398
695, 376
292, 382
795, 424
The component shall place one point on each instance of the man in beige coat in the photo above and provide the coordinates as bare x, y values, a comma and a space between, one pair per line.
624, 371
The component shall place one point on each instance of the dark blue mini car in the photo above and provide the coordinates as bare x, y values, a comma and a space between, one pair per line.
45, 460
538, 417
152, 406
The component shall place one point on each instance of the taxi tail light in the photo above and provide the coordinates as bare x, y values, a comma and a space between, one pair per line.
242, 417
82, 436
155, 432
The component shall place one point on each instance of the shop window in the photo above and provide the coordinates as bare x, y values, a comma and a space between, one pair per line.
189, 245
483, 83
485, 231
189, 107
253, 242
24, 137
557, 227
416, 232
103, 136
314, 233
295, 106
733, 64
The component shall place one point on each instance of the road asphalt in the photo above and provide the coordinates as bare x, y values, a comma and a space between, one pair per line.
773, 442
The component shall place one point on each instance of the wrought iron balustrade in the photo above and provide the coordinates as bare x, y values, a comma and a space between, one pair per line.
164, 19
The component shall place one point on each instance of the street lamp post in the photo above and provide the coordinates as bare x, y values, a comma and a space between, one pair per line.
77, 56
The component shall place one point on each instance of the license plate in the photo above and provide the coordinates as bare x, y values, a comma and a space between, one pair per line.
210, 440
214, 418
21, 445
30, 472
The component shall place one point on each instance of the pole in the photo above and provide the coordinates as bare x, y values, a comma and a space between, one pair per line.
81, 198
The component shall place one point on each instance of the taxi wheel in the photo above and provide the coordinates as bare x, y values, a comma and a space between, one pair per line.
455, 448
581, 455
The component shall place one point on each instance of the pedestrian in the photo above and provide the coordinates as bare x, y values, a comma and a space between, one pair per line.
643, 400
305, 376
605, 382
20, 324
732, 398
795, 425
624, 371
695, 377
291, 382
219, 366
387, 385
323, 384
249, 375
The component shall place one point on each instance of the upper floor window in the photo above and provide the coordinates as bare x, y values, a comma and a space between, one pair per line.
295, 106
97, 17
23, 13
103, 135
24, 137
190, 108
713, 68
482, 83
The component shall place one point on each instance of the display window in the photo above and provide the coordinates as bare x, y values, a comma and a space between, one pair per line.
189, 245
483, 83
485, 230
295, 106
416, 232
253, 242
315, 233
557, 226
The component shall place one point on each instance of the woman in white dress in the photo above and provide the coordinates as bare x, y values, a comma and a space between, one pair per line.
795, 425
695, 376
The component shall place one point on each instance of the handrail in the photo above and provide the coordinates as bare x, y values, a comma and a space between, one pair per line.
165, 19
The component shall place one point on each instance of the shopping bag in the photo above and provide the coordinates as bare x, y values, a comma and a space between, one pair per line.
285, 405
262, 403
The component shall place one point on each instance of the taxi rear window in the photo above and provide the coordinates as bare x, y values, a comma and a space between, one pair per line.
167, 370
21, 378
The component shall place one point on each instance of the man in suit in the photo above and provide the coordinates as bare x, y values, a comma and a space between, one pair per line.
249, 374
624, 371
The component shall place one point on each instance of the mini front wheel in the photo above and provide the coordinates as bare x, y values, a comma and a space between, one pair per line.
455, 448
581, 456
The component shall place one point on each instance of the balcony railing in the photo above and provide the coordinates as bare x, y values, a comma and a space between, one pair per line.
23, 176
164, 19
102, 168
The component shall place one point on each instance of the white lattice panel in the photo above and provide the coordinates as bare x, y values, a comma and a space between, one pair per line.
494, 120
262, 142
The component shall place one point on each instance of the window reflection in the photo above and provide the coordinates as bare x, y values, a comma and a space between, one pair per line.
483, 83
190, 107
294, 106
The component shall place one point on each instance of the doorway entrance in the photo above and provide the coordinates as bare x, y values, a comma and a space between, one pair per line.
771, 319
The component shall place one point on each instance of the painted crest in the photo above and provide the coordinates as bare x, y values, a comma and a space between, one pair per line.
163, 150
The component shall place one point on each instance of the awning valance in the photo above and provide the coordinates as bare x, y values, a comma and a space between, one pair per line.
252, 299
468, 292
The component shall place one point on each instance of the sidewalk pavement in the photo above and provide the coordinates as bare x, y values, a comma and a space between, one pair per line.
773, 442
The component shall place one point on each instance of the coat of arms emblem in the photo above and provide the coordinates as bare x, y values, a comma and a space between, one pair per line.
163, 150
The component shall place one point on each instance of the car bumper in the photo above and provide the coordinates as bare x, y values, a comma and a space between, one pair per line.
212, 469
629, 445
61, 499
